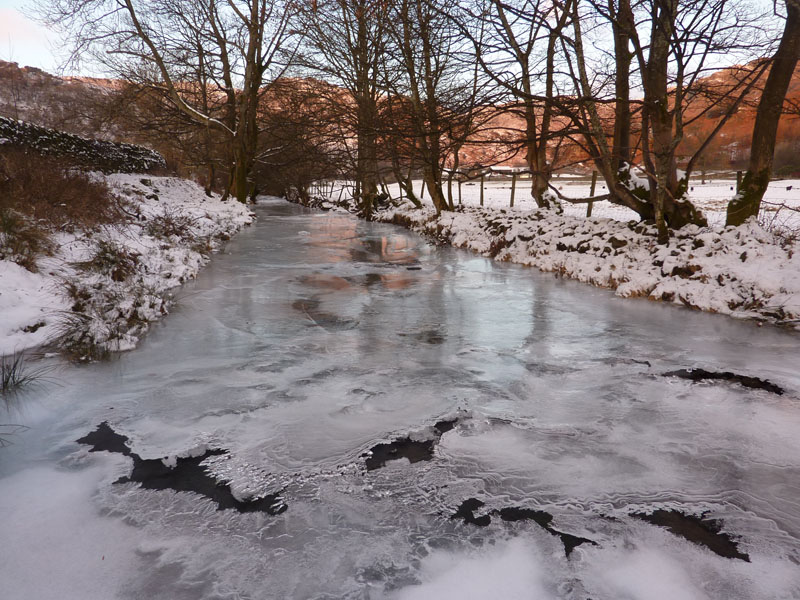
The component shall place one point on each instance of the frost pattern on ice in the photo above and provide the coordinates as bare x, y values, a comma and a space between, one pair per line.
561, 408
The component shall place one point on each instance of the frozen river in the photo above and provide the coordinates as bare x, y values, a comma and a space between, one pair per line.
525, 441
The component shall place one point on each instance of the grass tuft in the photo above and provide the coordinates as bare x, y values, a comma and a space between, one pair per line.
15, 374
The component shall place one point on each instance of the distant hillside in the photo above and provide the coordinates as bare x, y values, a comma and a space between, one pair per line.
65, 103
729, 150
85, 106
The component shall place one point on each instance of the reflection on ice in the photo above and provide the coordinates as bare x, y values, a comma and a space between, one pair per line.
312, 343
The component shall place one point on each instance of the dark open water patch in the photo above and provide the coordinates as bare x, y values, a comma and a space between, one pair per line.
466, 512
106, 439
188, 474
699, 530
745, 380
413, 450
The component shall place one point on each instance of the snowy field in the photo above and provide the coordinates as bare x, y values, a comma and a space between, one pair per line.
711, 197
426, 424
173, 228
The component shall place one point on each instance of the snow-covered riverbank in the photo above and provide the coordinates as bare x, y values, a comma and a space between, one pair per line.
100, 289
745, 272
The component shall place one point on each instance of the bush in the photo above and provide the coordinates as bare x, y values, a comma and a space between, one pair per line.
113, 260
103, 320
53, 194
38, 197
171, 224
21, 240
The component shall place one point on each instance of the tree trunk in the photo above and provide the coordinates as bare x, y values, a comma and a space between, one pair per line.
433, 182
367, 167
656, 96
622, 26
747, 202
239, 184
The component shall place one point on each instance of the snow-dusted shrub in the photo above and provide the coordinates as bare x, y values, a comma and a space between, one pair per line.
21, 240
109, 317
778, 221
170, 223
113, 260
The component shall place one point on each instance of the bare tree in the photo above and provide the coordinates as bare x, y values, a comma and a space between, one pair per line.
762, 149
518, 51
344, 43
426, 69
165, 44
674, 45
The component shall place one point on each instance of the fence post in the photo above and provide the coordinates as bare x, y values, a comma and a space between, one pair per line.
422, 193
459, 192
591, 194
513, 188
482, 177
738, 180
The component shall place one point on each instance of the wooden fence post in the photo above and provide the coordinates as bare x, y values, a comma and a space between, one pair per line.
591, 194
422, 192
459, 192
482, 177
738, 180
513, 188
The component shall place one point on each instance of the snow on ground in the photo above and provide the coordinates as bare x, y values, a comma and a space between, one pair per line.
102, 288
746, 272
710, 195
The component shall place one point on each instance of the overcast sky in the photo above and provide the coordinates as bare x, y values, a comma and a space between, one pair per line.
22, 40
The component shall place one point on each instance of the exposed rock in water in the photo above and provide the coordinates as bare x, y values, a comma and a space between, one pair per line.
413, 450
699, 530
745, 380
466, 512
185, 475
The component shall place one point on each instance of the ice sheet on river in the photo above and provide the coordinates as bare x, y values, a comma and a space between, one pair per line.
320, 339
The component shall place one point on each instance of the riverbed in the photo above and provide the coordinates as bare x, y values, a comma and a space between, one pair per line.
339, 409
